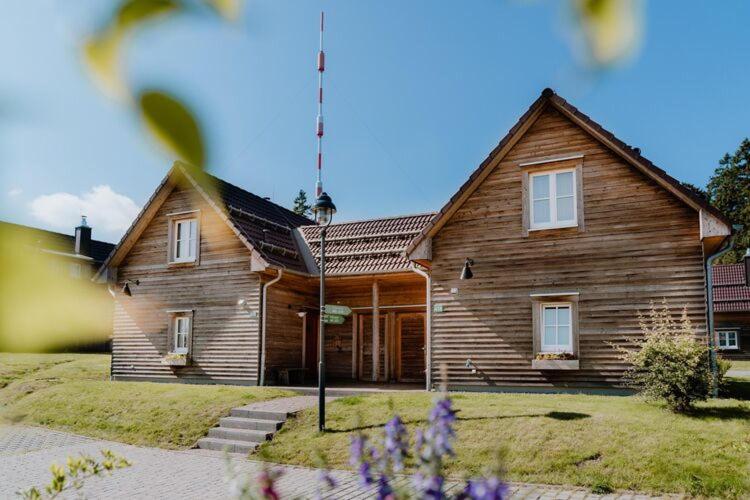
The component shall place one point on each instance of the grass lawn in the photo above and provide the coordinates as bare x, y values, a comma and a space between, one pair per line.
741, 365
71, 392
595, 441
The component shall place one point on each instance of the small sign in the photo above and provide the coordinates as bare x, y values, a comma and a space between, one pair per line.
438, 308
333, 319
338, 310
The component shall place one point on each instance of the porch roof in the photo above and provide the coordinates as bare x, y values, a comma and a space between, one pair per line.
368, 246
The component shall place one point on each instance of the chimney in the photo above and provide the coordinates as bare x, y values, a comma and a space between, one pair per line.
83, 238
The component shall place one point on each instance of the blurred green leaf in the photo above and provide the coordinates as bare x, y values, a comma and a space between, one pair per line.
102, 51
228, 9
611, 28
172, 123
132, 12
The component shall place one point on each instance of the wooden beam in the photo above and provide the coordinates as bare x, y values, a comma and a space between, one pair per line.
375, 332
304, 337
355, 346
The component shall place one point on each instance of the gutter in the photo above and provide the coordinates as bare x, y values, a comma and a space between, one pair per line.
428, 333
728, 245
262, 378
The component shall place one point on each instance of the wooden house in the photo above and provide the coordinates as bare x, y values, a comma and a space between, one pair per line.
566, 233
732, 311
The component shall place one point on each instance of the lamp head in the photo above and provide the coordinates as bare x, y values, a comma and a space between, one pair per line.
324, 209
466, 273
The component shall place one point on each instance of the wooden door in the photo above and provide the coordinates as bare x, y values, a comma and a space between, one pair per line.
365, 350
410, 346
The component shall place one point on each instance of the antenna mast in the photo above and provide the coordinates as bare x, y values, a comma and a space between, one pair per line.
319, 128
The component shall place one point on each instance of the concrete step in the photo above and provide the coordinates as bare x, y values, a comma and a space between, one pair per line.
259, 414
231, 446
249, 435
251, 423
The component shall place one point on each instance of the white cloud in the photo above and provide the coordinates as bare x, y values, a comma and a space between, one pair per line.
15, 192
106, 210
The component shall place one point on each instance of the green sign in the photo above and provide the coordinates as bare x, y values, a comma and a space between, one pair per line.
333, 319
338, 310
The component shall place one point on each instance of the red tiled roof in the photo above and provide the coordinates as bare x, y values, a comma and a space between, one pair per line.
730, 292
369, 246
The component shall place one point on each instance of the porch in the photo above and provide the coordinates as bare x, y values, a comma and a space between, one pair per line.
381, 342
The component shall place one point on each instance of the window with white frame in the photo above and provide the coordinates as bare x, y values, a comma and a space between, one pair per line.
556, 332
184, 240
553, 199
728, 339
181, 334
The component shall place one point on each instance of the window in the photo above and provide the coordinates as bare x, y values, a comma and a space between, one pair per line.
556, 328
553, 199
181, 334
185, 240
728, 339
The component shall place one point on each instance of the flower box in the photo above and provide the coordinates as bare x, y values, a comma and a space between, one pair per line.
173, 359
554, 364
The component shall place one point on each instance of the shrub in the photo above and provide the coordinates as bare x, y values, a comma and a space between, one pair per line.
722, 367
668, 363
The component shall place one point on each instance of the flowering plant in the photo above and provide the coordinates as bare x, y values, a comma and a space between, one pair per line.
378, 466
556, 356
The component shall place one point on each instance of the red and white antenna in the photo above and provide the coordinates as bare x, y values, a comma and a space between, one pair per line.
319, 127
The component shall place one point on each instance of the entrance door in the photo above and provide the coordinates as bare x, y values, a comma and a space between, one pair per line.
410, 347
365, 338
311, 345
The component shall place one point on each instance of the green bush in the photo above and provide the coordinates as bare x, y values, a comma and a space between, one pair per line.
669, 363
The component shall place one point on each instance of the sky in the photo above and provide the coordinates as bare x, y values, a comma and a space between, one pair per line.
417, 94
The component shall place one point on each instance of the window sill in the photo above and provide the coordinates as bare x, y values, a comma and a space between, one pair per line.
548, 228
183, 263
555, 364
174, 359
729, 348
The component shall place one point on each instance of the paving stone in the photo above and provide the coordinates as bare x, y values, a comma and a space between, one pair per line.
28, 452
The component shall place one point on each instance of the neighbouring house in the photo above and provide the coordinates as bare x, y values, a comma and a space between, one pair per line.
47, 290
77, 256
561, 236
732, 311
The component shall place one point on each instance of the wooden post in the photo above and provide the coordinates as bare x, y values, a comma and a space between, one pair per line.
393, 349
355, 345
304, 338
375, 332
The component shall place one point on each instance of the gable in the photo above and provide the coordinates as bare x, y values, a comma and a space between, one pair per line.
217, 241
713, 226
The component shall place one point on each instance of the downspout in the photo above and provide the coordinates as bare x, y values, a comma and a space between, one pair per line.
728, 245
112, 346
266, 286
428, 333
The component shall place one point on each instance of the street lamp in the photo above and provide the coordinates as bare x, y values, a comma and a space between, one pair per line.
324, 210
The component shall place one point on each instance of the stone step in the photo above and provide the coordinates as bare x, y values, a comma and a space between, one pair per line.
249, 435
259, 414
231, 446
251, 423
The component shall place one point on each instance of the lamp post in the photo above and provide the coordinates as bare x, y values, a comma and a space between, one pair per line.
324, 210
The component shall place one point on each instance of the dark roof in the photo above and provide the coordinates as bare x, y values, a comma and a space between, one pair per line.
368, 246
56, 242
548, 97
730, 292
267, 226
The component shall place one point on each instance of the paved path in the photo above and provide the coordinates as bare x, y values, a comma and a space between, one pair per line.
286, 405
27, 452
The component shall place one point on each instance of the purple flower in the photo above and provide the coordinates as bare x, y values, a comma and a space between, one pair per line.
384, 488
430, 487
396, 443
360, 457
491, 488
325, 478
266, 481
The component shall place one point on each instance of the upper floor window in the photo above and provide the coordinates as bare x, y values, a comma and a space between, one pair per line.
553, 199
728, 339
184, 240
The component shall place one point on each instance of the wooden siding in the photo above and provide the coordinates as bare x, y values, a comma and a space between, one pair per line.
286, 299
739, 321
225, 336
640, 243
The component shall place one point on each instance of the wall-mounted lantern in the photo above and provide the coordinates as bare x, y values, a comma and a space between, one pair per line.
466, 273
126, 287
